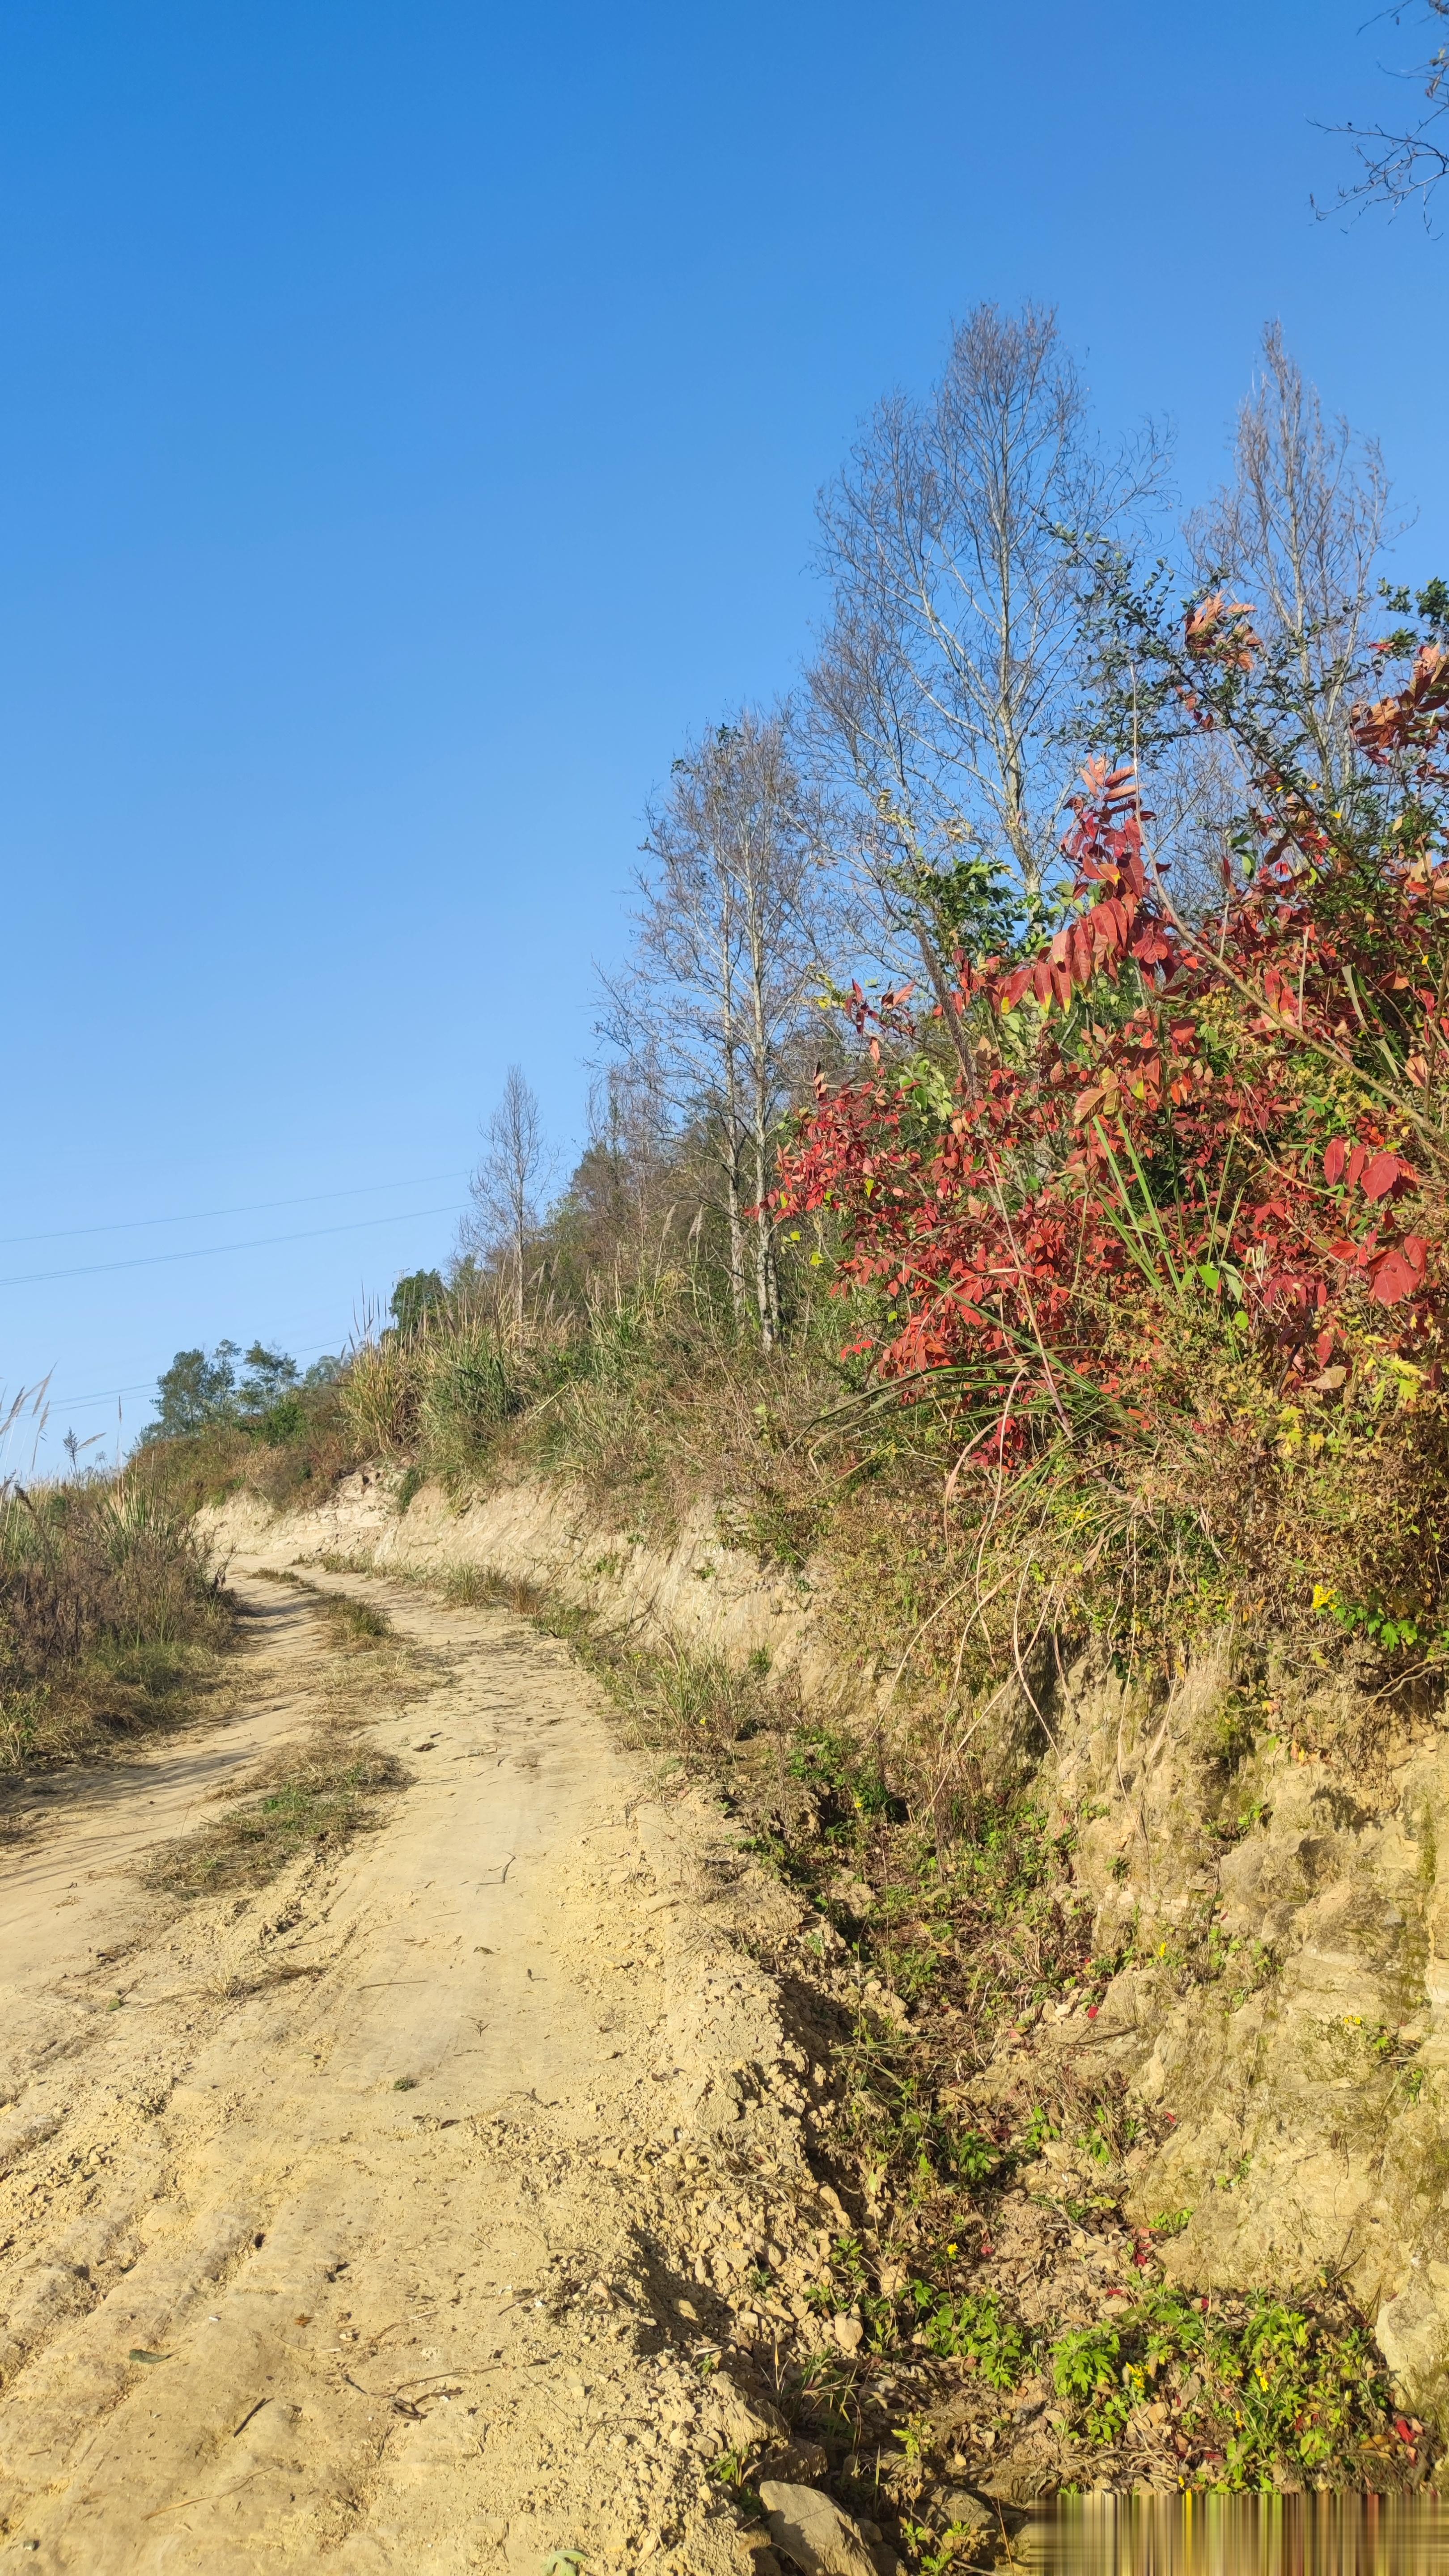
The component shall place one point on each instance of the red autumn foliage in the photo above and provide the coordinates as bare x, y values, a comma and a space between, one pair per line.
1171, 1130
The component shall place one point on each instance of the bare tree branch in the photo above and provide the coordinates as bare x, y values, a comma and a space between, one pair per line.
1300, 528
1398, 165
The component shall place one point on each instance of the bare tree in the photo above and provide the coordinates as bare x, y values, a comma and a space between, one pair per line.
1402, 162
507, 1186
737, 918
1297, 530
951, 695
629, 1176
1301, 527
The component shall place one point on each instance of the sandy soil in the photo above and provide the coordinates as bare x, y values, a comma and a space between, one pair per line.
335, 2220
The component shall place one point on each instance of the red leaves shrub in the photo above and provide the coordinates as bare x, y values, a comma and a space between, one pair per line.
1173, 1136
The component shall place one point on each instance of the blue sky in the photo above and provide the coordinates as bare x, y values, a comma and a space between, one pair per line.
412, 421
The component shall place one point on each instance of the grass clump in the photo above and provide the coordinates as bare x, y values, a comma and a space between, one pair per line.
314, 1798
354, 1623
112, 1623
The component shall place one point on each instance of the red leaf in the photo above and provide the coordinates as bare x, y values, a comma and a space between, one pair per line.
1381, 1175
1393, 1280
1334, 1160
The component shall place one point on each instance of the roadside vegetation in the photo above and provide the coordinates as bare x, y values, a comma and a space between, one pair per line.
111, 1621
1019, 1171
986, 2296
1018, 1189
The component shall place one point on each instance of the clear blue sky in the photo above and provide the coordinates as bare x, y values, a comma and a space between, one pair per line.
412, 421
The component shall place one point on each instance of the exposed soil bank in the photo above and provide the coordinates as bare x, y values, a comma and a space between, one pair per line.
698, 1591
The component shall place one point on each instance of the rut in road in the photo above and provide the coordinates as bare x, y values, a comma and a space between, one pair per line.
336, 2215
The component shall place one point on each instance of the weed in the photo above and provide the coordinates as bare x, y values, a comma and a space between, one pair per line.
779, 1529
975, 2329
916, 2437
846, 1785
1250, 2385
308, 1797
355, 1624
732, 2468
937, 2556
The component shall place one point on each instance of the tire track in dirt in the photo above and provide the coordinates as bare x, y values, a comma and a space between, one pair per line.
335, 2240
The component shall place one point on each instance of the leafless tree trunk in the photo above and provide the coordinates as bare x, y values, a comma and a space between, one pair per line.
507, 1184
951, 694
739, 907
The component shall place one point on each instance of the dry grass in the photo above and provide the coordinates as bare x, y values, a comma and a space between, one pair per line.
1297, 1530
112, 1624
354, 1624
314, 1797
647, 1395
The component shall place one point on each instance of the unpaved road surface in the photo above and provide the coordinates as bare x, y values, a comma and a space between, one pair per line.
335, 2219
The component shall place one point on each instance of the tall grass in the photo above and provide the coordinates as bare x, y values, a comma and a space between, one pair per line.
643, 1388
110, 1619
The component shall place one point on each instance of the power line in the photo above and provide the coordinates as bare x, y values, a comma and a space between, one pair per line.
201, 1216
201, 1251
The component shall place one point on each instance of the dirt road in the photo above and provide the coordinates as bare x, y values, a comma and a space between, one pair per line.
350, 2223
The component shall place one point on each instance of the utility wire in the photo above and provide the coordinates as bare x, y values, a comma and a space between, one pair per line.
253, 1207
200, 1251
